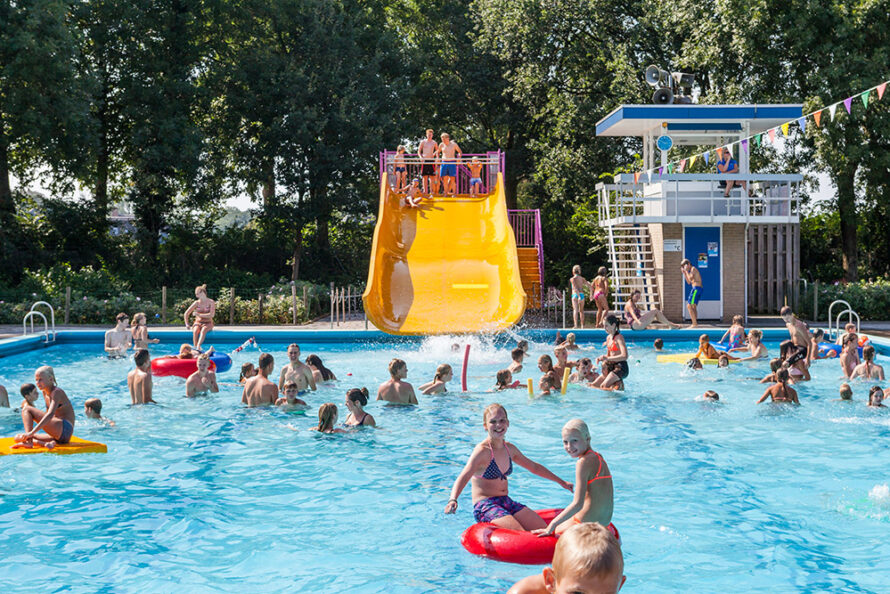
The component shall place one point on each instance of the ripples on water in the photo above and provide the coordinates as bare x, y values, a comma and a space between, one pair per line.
203, 495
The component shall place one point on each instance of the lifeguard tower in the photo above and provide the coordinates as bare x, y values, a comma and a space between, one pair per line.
746, 247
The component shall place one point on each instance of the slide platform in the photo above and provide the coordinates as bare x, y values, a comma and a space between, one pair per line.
449, 266
75, 446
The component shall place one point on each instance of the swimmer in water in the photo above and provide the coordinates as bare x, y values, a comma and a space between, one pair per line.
815, 341
518, 355
327, 419
845, 392
780, 391
203, 381
587, 558
569, 343
523, 344
320, 373
849, 358
139, 330
794, 358
545, 384
585, 373
247, 371
694, 364
723, 360
437, 386
876, 397
296, 371
356, 400
849, 328
593, 497
711, 396
139, 380
545, 364
707, 350
868, 369
396, 390
291, 401
258, 390
774, 366
756, 348
118, 339
609, 368
488, 469
504, 381
658, 344
92, 409
735, 337
562, 362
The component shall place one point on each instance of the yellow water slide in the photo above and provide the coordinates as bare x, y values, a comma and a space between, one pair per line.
448, 266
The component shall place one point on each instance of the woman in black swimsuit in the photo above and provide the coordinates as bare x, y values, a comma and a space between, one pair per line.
356, 400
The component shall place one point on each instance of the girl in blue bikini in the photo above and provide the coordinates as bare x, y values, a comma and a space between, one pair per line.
484, 468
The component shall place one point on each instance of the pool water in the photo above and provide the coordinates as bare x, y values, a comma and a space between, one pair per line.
204, 495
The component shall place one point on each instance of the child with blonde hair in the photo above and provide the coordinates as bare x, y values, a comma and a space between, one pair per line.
735, 335
587, 558
578, 284
475, 168
400, 169
437, 386
327, 419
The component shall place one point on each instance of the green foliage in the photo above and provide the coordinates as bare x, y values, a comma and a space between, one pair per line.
870, 299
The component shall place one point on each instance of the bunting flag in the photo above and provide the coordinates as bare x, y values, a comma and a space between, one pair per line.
881, 88
637, 177
772, 135
848, 104
670, 168
802, 122
864, 97
818, 117
719, 150
692, 160
745, 144
832, 109
785, 129
660, 170
757, 139
682, 165
707, 157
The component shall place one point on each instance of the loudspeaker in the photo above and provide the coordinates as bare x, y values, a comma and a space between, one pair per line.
663, 96
657, 77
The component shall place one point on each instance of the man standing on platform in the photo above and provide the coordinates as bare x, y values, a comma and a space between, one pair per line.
427, 151
693, 278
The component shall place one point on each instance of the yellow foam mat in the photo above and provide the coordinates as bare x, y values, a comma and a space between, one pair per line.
684, 357
75, 446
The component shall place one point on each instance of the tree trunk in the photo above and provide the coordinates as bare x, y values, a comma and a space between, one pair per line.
100, 197
298, 252
268, 184
7, 206
511, 177
846, 206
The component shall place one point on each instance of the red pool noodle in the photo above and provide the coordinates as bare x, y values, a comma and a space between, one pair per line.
463, 372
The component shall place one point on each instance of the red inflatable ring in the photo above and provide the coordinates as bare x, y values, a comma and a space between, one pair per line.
514, 546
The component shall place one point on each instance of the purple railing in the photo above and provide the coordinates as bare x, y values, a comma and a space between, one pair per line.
526, 225
492, 164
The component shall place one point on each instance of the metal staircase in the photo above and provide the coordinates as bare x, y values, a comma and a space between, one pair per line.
633, 266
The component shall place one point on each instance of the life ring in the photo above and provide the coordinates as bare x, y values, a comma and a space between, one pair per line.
864, 340
163, 366
514, 546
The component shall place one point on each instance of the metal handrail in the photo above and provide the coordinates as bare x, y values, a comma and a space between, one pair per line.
851, 313
831, 307
52, 314
30, 316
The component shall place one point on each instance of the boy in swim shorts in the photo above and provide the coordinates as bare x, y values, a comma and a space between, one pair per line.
693, 279
587, 558
291, 401
475, 168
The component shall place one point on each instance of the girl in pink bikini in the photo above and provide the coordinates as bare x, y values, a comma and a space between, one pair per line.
204, 309
593, 502
491, 502
601, 294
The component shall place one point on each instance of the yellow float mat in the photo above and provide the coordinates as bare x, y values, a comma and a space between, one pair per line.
684, 357
75, 446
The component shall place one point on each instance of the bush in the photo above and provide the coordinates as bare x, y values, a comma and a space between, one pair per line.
871, 300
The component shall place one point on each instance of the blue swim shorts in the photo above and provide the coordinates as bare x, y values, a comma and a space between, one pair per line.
448, 170
694, 296
489, 510
475, 180
67, 432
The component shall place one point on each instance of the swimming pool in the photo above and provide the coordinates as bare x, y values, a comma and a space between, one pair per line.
204, 495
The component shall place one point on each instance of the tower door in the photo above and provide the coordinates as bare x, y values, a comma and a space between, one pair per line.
703, 247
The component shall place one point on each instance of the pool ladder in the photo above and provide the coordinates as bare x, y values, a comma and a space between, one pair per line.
837, 322
49, 331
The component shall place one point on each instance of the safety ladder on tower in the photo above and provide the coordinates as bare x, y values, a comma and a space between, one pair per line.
633, 266
49, 329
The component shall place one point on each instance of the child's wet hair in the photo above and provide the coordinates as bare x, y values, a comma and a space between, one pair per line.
817, 333
141, 357
704, 338
711, 395
868, 352
442, 370
875, 390
738, 320
265, 360
547, 381
775, 364
578, 425
755, 333
395, 365
585, 361
245, 369
846, 392
659, 343
315, 361
359, 395
570, 338
517, 354
522, 344
94, 404
502, 377
694, 363
587, 549
291, 386
492, 409
545, 359
27, 389
327, 412
782, 375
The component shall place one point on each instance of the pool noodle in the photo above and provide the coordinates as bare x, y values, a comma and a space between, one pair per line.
531, 387
463, 372
565, 380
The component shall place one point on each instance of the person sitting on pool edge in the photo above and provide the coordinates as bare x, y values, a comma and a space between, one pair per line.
593, 501
290, 400
640, 320
139, 381
203, 380
395, 390
57, 421
491, 501
587, 558
92, 409
296, 371
437, 385
780, 391
258, 390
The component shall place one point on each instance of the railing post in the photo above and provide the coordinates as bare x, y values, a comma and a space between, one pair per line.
306, 300
563, 309
816, 303
260, 299
232, 306
67, 303
293, 299
164, 304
